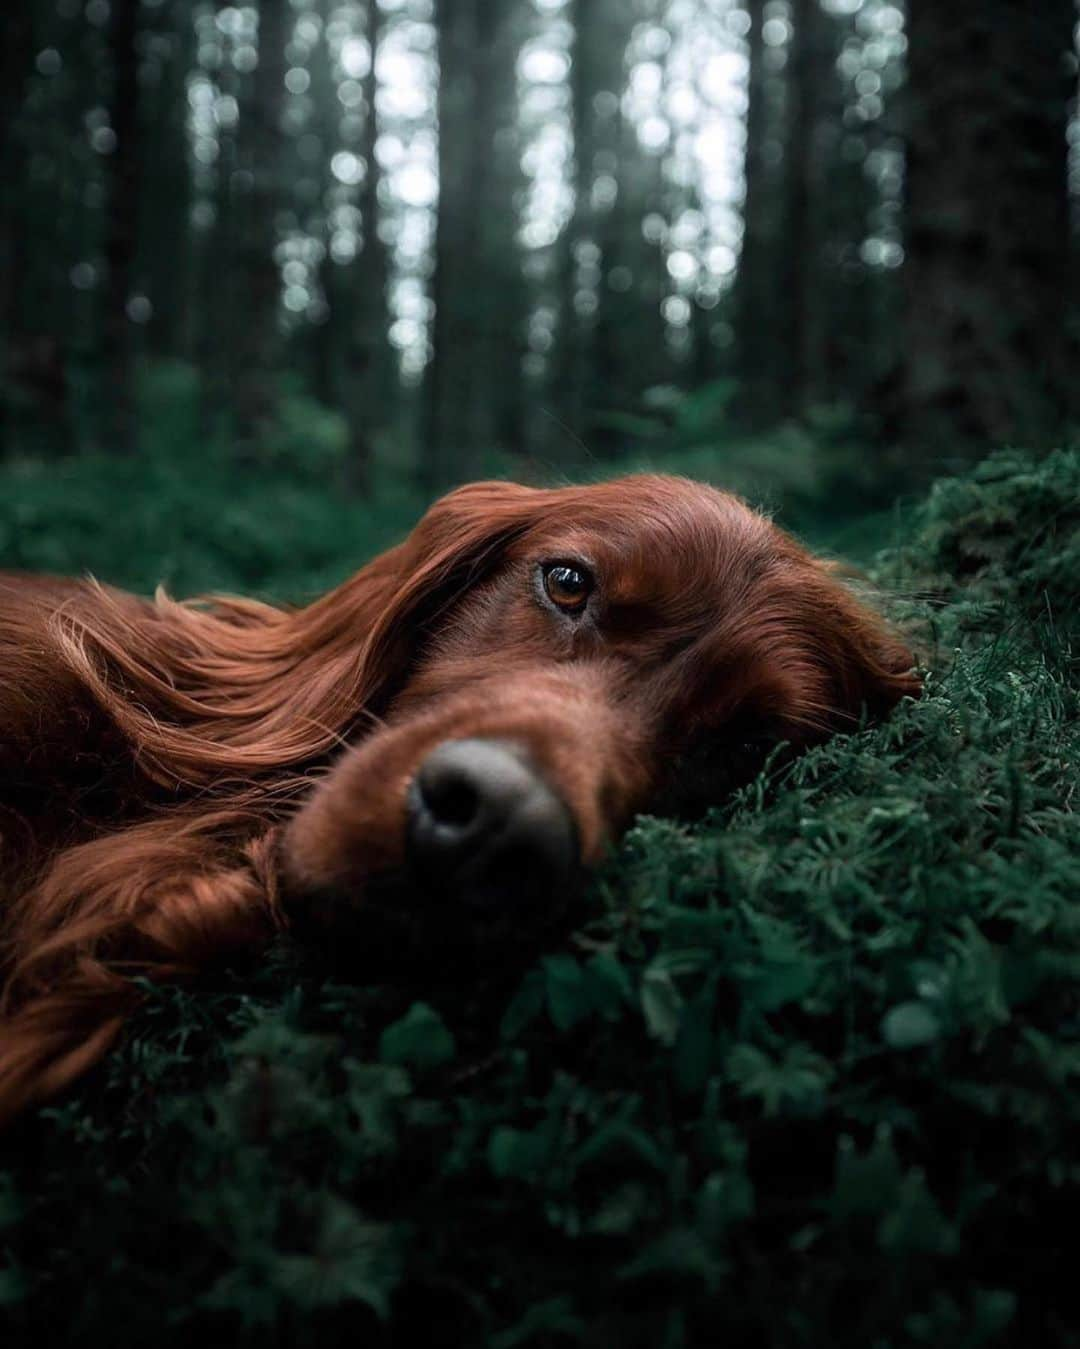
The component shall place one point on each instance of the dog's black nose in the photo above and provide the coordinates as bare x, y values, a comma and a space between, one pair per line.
483, 825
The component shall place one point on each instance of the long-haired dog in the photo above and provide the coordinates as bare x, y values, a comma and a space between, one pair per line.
435, 749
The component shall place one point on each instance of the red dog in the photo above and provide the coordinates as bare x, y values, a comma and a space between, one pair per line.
443, 741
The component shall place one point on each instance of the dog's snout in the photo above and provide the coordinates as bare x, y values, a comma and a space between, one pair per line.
484, 825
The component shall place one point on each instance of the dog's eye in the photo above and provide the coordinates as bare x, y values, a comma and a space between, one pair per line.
567, 585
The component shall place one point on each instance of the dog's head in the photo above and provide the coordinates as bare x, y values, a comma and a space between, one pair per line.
547, 663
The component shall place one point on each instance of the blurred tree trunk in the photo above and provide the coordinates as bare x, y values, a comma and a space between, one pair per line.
448, 384
216, 321
121, 228
475, 288
985, 349
809, 69
16, 62
327, 340
505, 310
165, 262
569, 374
369, 367
754, 286
257, 198
587, 369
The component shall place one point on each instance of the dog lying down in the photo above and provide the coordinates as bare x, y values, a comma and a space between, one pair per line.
437, 749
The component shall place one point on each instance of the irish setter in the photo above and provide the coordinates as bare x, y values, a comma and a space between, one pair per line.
433, 750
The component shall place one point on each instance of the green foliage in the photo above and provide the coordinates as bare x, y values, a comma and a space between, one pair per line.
185, 513
807, 1072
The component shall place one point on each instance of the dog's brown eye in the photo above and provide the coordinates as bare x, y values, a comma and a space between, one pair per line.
567, 586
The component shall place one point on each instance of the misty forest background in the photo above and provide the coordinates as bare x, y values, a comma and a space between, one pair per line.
817, 251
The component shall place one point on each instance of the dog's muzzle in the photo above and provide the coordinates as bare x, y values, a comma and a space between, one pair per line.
486, 829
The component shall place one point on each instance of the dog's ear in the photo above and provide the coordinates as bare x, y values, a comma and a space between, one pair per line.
455, 545
871, 665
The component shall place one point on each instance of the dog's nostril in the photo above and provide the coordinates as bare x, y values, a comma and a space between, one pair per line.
450, 797
484, 826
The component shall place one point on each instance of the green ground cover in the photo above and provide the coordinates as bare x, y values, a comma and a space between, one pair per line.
807, 1072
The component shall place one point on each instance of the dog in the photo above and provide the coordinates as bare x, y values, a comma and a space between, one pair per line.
437, 749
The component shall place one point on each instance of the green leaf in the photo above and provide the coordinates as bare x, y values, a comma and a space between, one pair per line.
419, 1040
692, 1058
375, 1092
609, 985
353, 1260
661, 1002
909, 1025
11, 1208
518, 1154
556, 1316
525, 1006
13, 1286
865, 1183
567, 992
799, 1078
678, 1252
726, 1197
914, 1222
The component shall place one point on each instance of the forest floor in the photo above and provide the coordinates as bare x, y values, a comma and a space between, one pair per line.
808, 1071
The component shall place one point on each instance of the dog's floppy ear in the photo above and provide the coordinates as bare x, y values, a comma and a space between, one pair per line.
453, 547
870, 664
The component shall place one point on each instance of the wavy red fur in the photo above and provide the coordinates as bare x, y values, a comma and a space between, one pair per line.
167, 768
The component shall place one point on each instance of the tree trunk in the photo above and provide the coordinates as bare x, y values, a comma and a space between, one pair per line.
165, 263
121, 229
369, 374
257, 199
461, 416
16, 58
985, 356
448, 385
589, 367
570, 377
754, 297
800, 363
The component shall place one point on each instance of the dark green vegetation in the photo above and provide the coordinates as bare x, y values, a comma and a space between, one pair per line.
807, 1072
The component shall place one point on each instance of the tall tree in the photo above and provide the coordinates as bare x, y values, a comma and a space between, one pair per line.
569, 377
368, 374
164, 263
257, 192
448, 384
121, 227
755, 299
984, 351
16, 63
474, 242
586, 368
809, 72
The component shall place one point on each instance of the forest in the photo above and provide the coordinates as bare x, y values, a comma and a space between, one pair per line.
541, 233
275, 275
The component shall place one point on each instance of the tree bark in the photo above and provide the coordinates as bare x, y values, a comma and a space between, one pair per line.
121, 229
16, 58
754, 298
257, 198
800, 349
985, 348
570, 376
165, 262
448, 378
369, 375
473, 242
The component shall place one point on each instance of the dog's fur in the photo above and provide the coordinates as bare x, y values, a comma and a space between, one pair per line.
177, 778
